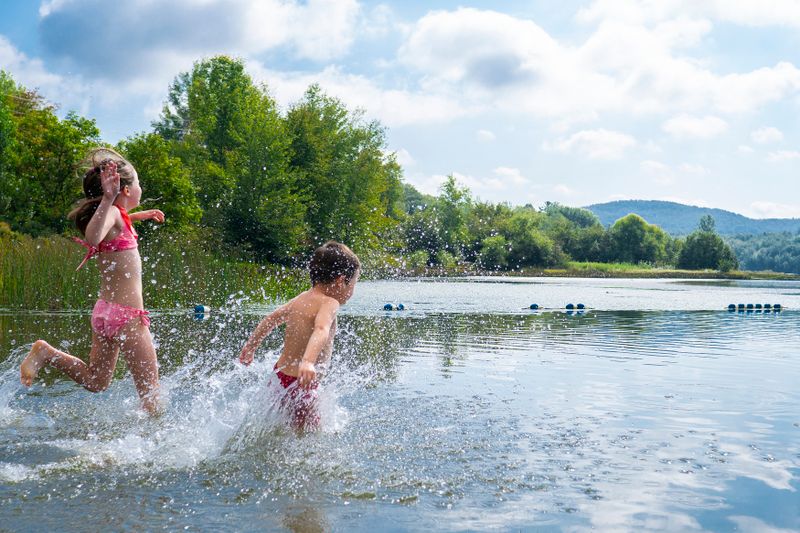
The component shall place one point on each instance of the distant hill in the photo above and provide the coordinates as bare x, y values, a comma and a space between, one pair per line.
678, 219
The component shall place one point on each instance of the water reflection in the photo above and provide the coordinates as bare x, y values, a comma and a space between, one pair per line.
613, 420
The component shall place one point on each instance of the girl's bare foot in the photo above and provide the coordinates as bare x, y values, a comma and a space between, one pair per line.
36, 358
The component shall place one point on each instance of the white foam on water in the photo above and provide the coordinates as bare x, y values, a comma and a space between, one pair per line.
209, 409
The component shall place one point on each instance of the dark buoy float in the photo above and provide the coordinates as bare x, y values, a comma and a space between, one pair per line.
200, 311
581, 306
534, 307
570, 306
731, 307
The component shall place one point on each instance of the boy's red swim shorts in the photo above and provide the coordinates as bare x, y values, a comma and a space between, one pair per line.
299, 403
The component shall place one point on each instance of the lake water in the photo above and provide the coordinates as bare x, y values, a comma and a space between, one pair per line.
655, 409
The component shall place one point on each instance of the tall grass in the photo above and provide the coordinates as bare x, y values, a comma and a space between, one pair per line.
178, 271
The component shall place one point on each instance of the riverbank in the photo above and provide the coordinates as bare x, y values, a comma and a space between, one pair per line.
179, 271
576, 269
40, 274
624, 270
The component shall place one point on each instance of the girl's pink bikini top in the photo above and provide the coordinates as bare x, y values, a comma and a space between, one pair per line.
126, 240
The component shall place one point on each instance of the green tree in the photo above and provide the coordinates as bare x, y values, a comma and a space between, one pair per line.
705, 249
231, 137
494, 253
268, 208
582, 218
633, 240
164, 178
453, 206
528, 245
707, 224
40, 155
206, 112
353, 187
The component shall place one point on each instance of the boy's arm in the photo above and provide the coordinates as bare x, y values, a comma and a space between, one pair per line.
327, 351
323, 323
264, 328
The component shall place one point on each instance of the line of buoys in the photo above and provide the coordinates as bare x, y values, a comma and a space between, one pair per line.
393, 307
755, 307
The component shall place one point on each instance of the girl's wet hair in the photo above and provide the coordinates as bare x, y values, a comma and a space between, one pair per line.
331, 260
92, 166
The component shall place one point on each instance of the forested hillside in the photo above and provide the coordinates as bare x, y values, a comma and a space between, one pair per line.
679, 219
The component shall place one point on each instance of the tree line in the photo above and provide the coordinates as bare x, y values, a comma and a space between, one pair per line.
779, 252
222, 158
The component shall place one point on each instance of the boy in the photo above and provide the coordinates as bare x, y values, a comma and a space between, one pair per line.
310, 320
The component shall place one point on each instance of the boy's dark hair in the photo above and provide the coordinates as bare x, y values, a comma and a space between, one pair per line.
331, 260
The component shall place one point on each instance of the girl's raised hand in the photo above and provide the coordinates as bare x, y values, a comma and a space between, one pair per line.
109, 178
154, 214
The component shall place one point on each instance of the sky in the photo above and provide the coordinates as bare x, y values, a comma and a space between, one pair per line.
578, 102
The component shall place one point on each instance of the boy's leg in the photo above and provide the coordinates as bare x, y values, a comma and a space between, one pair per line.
140, 354
94, 377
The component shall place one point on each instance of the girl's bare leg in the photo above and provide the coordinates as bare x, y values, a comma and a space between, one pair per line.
95, 377
140, 354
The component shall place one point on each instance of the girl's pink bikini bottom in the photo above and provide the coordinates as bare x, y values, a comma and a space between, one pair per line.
108, 318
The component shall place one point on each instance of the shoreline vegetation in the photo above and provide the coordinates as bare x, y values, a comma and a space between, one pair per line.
39, 274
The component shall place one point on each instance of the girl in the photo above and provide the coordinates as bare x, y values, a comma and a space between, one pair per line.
119, 321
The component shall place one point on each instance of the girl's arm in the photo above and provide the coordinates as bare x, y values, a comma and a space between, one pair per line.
104, 218
264, 328
148, 214
326, 316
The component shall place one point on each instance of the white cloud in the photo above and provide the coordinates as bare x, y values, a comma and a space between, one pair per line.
766, 135
660, 172
151, 37
633, 64
393, 107
774, 210
743, 148
594, 144
693, 169
698, 202
511, 176
404, 158
71, 92
485, 135
689, 127
563, 190
742, 12
783, 155
665, 174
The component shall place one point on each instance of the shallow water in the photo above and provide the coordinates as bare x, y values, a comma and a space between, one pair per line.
657, 410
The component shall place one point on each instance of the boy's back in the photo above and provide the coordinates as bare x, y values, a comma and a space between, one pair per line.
310, 311
310, 317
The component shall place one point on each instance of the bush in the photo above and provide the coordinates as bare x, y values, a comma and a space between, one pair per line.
418, 260
494, 253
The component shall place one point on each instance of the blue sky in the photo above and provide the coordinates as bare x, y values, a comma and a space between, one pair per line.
575, 101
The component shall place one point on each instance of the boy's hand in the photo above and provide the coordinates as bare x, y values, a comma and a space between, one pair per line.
246, 357
152, 214
306, 374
